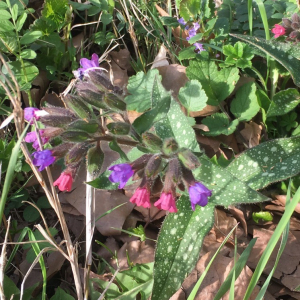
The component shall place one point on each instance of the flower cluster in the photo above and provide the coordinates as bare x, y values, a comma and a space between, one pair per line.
289, 28
178, 164
192, 30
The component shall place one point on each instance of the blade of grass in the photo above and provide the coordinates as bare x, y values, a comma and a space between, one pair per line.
200, 280
284, 239
109, 211
10, 172
272, 243
239, 266
231, 292
250, 15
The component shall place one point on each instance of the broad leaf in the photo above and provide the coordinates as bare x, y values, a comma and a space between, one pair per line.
282, 52
140, 87
30, 37
55, 10
219, 124
217, 84
245, 106
268, 162
192, 96
283, 102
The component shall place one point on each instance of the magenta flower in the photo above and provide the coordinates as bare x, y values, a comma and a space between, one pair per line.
31, 112
198, 194
166, 202
43, 159
199, 47
141, 197
120, 173
87, 65
64, 182
278, 30
181, 21
31, 137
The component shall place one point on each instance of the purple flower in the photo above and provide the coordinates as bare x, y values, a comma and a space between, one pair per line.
121, 173
87, 65
193, 31
199, 47
29, 114
181, 21
43, 159
31, 137
198, 194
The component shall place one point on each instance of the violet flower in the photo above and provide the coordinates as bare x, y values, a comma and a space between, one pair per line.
166, 202
120, 173
87, 65
199, 47
31, 137
32, 112
198, 194
181, 21
193, 31
43, 159
141, 197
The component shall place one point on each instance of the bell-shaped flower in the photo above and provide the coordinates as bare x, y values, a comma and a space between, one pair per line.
31, 113
87, 65
121, 173
43, 159
141, 197
198, 194
166, 202
64, 182
278, 30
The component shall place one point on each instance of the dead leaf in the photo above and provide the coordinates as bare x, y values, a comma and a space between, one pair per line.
239, 215
160, 59
112, 245
282, 200
251, 133
223, 224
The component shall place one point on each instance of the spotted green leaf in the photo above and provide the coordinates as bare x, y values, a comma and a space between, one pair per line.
219, 124
282, 52
268, 162
217, 84
178, 246
283, 102
245, 106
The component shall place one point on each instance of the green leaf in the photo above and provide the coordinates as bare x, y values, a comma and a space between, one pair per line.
24, 73
106, 18
283, 102
141, 88
187, 53
14, 12
282, 52
161, 100
30, 214
239, 55
113, 145
4, 15
55, 11
169, 21
28, 54
6, 26
176, 125
30, 37
21, 20
226, 189
189, 8
60, 294
268, 162
245, 106
219, 124
192, 96
217, 84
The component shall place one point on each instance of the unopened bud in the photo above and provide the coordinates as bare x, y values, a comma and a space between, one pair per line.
102, 82
174, 170
61, 150
76, 104
114, 102
89, 127
59, 111
57, 120
141, 162
118, 128
95, 158
76, 154
152, 141
75, 136
170, 146
188, 159
93, 98
51, 132
153, 166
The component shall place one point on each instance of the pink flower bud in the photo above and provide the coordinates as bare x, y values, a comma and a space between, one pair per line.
278, 30
64, 182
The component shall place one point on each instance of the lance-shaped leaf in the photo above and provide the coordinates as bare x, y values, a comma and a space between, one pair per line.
217, 84
282, 52
178, 246
268, 162
283, 102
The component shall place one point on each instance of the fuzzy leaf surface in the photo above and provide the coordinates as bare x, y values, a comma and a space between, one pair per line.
217, 84
268, 162
283, 102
